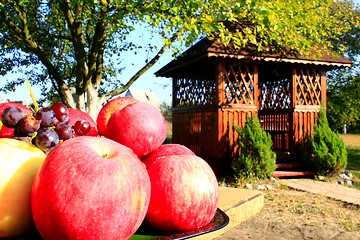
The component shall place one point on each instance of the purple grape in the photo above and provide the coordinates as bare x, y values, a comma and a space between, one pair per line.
46, 139
22, 138
47, 117
29, 124
19, 133
64, 131
66, 120
61, 111
11, 116
82, 127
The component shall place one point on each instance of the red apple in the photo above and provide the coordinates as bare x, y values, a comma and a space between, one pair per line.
76, 114
90, 188
184, 193
108, 109
166, 150
6, 132
138, 126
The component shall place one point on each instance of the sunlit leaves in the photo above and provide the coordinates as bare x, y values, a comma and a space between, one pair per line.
103, 28
350, 15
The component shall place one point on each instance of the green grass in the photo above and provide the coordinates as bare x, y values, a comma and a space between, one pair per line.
353, 149
352, 142
354, 164
353, 158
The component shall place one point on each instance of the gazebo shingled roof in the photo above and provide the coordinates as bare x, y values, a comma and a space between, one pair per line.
206, 48
216, 88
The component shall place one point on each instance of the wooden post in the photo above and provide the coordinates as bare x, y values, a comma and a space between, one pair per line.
219, 75
219, 78
323, 88
174, 93
256, 87
292, 119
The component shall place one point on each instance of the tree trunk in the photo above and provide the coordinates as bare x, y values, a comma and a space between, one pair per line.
80, 102
69, 98
93, 101
88, 102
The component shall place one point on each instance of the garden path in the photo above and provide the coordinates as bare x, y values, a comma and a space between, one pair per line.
331, 190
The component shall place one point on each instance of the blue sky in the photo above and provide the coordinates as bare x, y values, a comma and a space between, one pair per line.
133, 63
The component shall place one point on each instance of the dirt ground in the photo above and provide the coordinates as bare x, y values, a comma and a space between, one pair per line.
352, 140
291, 214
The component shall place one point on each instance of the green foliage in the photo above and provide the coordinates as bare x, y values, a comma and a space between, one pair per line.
77, 46
256, 160
343, 105
348, 41
327, 150
343, 85
165, 110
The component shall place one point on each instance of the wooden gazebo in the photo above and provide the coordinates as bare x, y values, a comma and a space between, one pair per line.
215, 88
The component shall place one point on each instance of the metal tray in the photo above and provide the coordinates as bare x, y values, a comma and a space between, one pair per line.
145, 232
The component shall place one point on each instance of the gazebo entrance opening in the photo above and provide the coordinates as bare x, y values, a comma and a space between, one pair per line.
290, 97
274, 109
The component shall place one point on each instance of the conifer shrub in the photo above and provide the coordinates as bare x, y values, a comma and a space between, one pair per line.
256, 158
327, 150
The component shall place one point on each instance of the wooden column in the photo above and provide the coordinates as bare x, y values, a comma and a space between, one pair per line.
293, 101
220, 85
174, 93
323, 88
256, 87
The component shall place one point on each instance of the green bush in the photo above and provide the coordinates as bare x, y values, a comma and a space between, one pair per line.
327, 150
256, 158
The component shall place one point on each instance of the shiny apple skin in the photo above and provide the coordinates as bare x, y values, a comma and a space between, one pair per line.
108, 109
90, 188
184, 193
166, 150
76, 114
138, 126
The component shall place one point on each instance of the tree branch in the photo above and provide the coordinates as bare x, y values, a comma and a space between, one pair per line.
96, 51
78, 40
99, 69
118, 91
30, 43
11, 24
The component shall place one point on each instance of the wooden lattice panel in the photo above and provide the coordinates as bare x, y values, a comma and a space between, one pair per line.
194, 92
308, 86
275, 94
239, 83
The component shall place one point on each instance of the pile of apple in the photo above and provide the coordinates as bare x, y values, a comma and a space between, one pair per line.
105, 186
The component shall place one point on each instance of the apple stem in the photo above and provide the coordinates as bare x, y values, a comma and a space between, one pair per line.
32, 96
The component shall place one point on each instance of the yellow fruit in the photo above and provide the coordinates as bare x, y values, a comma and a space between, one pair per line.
19, 162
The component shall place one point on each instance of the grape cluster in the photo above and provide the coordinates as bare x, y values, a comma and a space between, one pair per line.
46, 128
